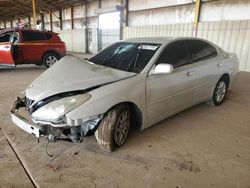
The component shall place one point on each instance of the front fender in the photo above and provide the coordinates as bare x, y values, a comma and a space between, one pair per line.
107, 96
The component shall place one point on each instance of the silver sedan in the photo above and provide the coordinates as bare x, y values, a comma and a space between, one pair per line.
132, 83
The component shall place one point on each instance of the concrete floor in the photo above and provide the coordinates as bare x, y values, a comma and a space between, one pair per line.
202, 147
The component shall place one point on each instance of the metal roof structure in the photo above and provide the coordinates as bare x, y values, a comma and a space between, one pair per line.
15, 9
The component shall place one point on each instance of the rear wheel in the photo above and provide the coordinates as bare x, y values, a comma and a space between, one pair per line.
220, 91
114, 127
50, 59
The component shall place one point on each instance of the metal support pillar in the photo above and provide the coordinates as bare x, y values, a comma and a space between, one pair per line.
50, 18
42, 21
60, 19
86, 29
34, 12
72, 17
197, 16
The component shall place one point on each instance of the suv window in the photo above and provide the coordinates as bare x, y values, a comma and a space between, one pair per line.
175, 54
32, 36
201, 50
5, 37
48, 36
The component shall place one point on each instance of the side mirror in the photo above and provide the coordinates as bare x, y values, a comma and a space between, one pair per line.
162, 69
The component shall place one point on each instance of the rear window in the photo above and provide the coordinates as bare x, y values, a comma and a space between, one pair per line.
32, 36
48, 36
201, 50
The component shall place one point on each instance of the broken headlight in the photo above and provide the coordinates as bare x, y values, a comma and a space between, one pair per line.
54, 110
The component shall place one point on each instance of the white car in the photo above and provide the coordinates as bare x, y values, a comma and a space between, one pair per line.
136, 82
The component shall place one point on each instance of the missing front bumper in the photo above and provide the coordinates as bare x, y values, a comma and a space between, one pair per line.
23, 122
74, 133
26, 126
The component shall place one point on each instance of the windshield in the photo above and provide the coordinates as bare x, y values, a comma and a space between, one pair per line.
131, 57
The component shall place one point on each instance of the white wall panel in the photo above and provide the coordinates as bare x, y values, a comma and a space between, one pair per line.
79, 11
66, 14
79, 23
8, 24
78, 39
159, 30
110, 3
66, 24
46, 17
74, 39
93, 47
55, 16
66, 36
148, 4
162, 16
47, 26
91, 8
225, 10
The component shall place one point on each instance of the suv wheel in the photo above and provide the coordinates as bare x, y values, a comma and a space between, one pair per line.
50, 59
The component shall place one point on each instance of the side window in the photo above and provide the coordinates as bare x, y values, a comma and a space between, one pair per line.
201, 50
5, 37
175, 54
32, 36
48, 36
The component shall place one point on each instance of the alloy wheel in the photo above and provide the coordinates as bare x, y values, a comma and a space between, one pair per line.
122, 127
220, 92
51, 60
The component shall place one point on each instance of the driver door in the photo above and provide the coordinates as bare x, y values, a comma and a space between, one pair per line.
167, 94
6, 49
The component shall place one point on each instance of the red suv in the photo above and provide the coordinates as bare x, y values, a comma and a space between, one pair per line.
27, 46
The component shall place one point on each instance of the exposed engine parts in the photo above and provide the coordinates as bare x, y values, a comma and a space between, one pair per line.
75, 134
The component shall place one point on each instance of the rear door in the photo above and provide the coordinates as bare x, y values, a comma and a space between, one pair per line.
204, 68
6, 49
32, 46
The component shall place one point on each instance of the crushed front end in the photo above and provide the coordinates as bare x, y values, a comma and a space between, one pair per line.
22, 115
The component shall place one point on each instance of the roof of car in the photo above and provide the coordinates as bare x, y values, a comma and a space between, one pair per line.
163, 40
24, 29
159, 40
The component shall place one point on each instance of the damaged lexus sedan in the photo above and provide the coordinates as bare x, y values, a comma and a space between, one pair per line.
132, 83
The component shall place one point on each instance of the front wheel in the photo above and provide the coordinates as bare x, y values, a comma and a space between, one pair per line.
220, 92
114, 127
50, 59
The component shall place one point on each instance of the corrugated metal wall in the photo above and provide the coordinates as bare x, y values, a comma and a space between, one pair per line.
232, 36
74, 39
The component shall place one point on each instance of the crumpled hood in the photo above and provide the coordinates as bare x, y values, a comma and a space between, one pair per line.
71, 74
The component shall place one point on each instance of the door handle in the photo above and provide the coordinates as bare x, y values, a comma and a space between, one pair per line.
189, 73
219, 64
6, 47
